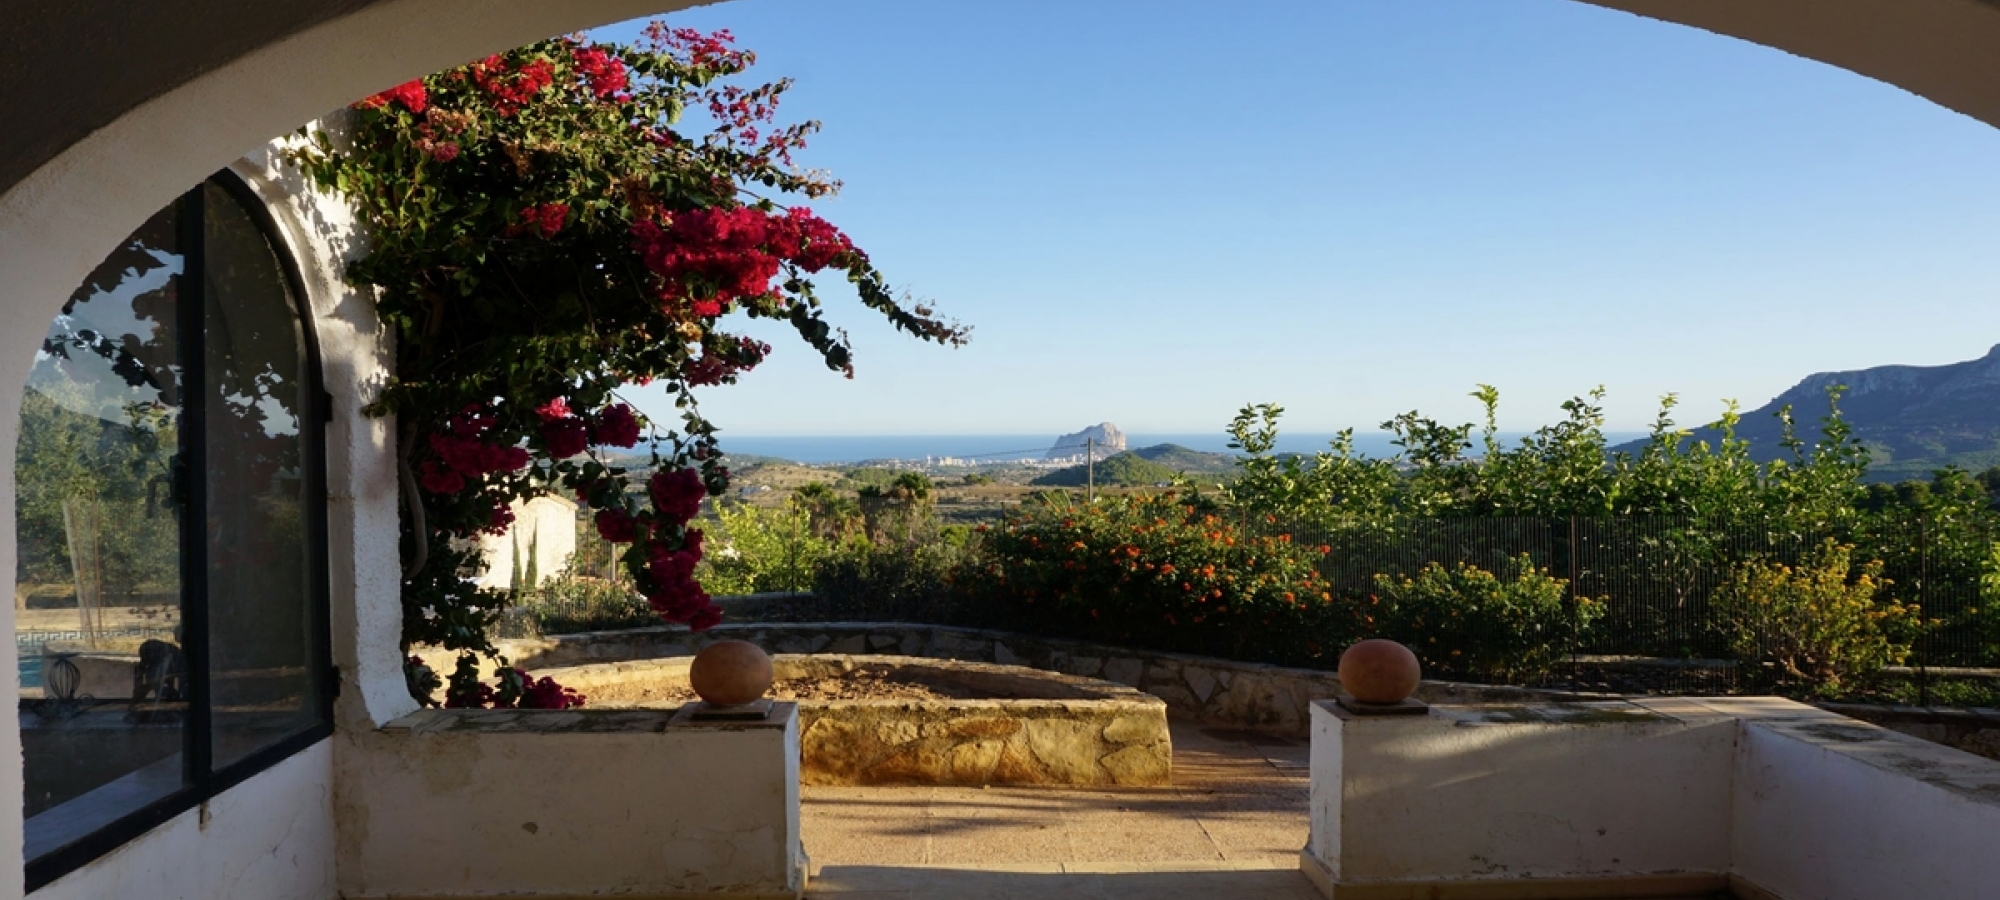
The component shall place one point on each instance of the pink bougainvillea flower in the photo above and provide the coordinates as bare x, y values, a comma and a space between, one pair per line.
554, 409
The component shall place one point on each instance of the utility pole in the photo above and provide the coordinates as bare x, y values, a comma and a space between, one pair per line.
1090, 469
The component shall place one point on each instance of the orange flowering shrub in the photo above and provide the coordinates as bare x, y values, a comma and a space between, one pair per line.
1817, 623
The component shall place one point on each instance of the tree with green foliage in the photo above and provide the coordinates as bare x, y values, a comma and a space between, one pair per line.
833, 516
1514, 624
763, 549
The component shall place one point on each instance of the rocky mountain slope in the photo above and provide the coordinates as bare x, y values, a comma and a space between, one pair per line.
1109, 441
1914, 418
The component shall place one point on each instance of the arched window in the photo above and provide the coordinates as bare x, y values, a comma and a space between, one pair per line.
170, 599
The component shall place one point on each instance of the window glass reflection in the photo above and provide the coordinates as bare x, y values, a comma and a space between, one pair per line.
169, 545
259, 573
97, 600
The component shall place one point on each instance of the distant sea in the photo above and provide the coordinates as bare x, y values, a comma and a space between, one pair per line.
1004, 447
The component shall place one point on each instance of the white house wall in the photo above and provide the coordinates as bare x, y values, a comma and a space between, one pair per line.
545, 529
60, 221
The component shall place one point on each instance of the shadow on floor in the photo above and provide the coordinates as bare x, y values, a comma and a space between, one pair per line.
1169, 883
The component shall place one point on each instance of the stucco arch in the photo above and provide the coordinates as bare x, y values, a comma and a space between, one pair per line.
100, 136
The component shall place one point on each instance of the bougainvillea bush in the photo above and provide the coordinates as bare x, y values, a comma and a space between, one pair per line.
1160, 571
544, 233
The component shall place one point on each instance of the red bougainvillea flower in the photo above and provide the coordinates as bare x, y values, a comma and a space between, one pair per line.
545, 693
700, 50
604, 73
544, 219
669, 566
509, 88
479, 697
564, 437
617, 526
683, 601
677, 494
734, 252
810, 242
709, 617
410, 95
444, 151
616, 426
472, 458
498, 519
720, 248
439, 480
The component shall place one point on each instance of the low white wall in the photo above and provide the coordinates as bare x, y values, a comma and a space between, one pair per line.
1588, 792
1829, 808
269, 838
1660, 797
503, 803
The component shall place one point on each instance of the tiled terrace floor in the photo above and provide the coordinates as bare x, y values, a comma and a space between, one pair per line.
1230, 827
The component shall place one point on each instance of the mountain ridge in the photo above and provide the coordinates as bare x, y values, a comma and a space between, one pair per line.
1912, 418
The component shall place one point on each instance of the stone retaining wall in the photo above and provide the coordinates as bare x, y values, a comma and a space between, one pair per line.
1215, 692
1065, 730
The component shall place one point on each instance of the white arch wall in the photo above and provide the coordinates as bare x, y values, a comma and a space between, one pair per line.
319, 234
1946, 51
59, 222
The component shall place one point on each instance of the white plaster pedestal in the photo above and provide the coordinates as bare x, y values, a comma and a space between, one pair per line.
631, 803
1530, 801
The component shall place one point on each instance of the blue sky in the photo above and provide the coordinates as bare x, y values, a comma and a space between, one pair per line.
1154, 213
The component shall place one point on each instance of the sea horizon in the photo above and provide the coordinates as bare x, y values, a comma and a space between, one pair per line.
988, 448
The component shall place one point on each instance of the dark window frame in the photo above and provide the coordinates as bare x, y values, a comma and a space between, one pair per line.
204, 782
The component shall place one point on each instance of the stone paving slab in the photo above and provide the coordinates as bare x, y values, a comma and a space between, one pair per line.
1238, 805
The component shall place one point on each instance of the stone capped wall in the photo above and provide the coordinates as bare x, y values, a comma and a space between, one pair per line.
1063, 730
1207, 691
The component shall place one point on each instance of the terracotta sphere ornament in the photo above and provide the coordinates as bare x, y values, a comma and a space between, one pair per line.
731, 673
1379, 671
